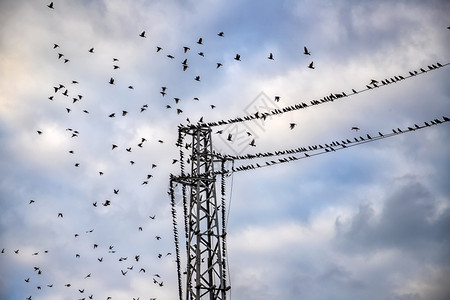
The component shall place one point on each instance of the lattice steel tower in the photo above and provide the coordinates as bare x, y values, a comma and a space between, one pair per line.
204, 218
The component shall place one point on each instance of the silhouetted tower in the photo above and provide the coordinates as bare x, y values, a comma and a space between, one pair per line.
204, 219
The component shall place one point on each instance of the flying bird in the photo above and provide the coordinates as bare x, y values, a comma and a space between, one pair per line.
311, 66
270, 56
200, 41
218, 65
355, 128
50, 5
142, 34
229, 137
111, 81
220, 34
237, 57
306, 51
91, 50
292, 125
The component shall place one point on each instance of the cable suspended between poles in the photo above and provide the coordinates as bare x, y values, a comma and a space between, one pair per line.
326, 99
319, 149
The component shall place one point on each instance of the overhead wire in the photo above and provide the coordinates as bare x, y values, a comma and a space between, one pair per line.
331, 148
374, 84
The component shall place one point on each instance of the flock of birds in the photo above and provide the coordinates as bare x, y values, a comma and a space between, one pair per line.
101, 254
129, 263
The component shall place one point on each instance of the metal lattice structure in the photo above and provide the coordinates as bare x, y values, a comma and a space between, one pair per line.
204, 219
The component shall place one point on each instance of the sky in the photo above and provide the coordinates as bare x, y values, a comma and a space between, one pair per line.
368, 222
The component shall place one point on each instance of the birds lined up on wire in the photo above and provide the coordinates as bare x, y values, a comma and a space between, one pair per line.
313, 150
325, 99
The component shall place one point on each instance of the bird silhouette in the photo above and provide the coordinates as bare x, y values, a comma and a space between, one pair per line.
229, 137
200, 41
218, 65
91, 50
50, 5
221, 34
142, 34
311, 66
270, 56
111, 80
237, 57
306, 51
292, 125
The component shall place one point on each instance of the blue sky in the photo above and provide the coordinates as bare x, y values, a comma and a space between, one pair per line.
367, 222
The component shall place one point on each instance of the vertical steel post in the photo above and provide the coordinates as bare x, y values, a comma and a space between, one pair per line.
205, 272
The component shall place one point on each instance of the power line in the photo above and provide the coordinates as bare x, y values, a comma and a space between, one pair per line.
319, 150
374, 84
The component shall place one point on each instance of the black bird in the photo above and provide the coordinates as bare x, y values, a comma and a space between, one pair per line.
197, 78
112, 115
50, 5
311, 66
355, 128
55, 46
270, 56
186, 49
220, 34
158, 49
91, 50
218, 65
306, 51
142, 34
229, 137
200, 41
292, 125
111, 81
237, 57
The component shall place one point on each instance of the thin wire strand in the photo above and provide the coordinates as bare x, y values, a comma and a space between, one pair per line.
326, 99
330, 149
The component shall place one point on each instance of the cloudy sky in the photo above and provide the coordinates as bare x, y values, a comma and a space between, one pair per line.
368, 222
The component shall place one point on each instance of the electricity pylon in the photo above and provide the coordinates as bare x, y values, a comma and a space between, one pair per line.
205, 233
